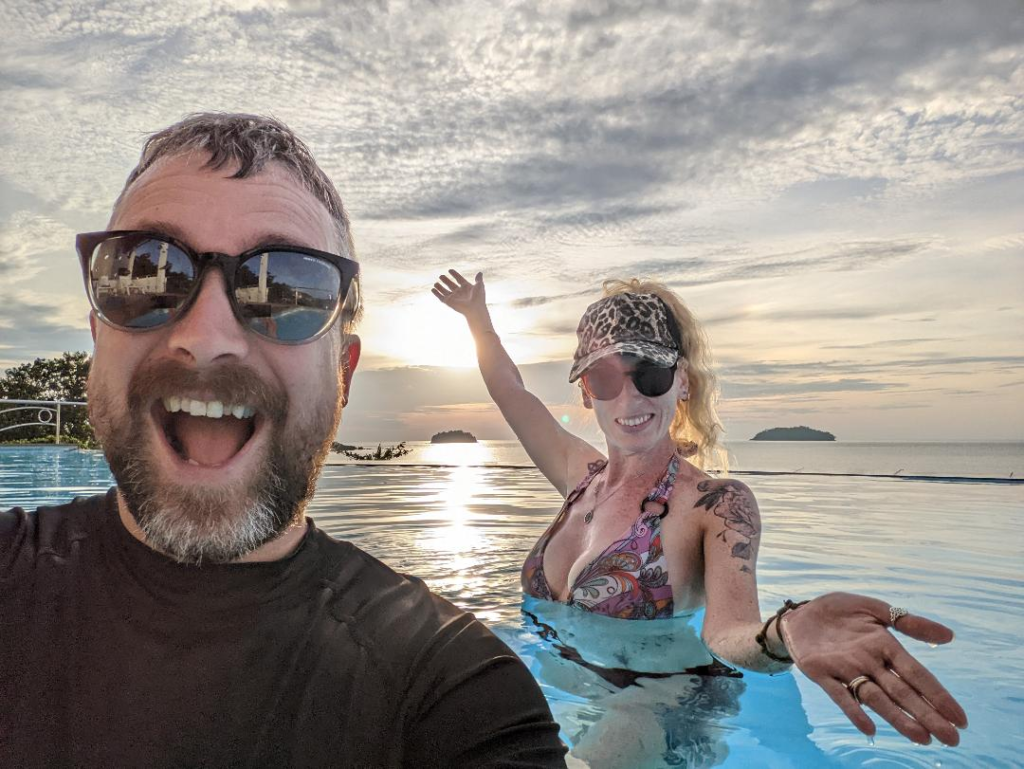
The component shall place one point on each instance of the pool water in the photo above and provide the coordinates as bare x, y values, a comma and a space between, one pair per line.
948, 550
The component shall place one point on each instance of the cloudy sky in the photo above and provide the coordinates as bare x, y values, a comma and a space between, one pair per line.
835, 187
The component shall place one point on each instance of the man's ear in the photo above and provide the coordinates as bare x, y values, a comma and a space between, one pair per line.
349, 361
587, 402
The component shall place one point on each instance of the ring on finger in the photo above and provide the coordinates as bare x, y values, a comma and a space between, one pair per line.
895, 612
855, 684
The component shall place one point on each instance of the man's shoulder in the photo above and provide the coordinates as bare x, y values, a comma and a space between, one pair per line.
382, 606
363, 585
50, 529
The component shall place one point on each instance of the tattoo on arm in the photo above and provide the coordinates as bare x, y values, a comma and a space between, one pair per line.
731, 502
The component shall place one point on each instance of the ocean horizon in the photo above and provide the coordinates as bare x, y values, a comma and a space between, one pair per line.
994, 460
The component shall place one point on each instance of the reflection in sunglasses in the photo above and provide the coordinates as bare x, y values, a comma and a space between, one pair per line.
139, 280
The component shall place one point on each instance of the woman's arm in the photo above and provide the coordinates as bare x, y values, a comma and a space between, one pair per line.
833, 639
732, 536
557, 453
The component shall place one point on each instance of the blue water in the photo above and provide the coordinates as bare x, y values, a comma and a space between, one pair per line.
948, 550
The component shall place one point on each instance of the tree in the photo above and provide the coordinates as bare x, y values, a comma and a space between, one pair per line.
46, 379
381, 454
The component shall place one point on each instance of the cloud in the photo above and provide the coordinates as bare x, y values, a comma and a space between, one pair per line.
40, 325
826, 257
758, 370
765, 388
24, 239
533, 107
554, 144
540, 301
884, 344
1011, 242
756, 264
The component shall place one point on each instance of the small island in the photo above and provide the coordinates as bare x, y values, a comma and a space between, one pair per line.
340, 447
801, 433
453, 436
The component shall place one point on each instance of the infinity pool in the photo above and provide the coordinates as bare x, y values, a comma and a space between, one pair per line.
949, 550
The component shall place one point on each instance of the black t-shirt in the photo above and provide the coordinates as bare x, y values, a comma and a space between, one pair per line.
112, 655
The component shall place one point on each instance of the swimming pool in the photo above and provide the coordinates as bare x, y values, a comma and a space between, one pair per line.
950, 550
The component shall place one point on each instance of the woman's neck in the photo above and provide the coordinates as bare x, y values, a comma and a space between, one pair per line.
624, 466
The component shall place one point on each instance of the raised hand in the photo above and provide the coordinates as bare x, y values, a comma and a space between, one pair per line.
464, 297
841, 638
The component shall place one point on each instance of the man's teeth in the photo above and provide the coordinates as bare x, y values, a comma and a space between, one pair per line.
212, 409
634, 421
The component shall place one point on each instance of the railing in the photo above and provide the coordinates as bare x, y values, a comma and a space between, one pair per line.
47, 413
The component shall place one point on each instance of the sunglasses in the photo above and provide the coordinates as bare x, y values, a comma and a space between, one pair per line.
604, 382
139, 281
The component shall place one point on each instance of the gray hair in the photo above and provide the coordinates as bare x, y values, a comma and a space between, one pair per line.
252, 141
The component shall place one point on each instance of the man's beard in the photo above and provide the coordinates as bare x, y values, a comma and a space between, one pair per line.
193, 523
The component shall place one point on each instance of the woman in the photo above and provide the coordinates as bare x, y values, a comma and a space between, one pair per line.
691, 540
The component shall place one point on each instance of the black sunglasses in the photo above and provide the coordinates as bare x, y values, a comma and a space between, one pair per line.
604, 382
139, 281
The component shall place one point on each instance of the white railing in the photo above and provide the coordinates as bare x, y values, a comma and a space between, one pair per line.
47, 413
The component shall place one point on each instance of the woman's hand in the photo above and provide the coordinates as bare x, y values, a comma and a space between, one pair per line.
839, 637
469, 299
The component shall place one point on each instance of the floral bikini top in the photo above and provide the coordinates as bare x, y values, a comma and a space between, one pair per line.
629, 578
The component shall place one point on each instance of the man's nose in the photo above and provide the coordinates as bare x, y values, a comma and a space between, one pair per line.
209, 332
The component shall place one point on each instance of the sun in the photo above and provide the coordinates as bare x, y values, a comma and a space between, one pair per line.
424, 333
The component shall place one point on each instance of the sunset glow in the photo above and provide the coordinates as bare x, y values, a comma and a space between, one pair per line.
835, 192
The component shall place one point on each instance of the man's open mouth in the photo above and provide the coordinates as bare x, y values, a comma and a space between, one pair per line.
205, 433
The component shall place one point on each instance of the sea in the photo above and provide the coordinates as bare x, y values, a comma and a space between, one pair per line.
997, 460
935, 527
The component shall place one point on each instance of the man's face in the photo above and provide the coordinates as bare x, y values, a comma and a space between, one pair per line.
208, 487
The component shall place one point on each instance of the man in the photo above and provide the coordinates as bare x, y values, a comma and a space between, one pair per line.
193, 616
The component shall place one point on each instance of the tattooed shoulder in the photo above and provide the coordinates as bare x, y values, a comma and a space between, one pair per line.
733, 502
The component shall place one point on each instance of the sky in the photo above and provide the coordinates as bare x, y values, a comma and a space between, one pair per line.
835, 187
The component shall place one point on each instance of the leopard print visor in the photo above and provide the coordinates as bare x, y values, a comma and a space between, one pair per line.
626, 324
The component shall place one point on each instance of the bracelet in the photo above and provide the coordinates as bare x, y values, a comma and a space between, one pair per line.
762, 637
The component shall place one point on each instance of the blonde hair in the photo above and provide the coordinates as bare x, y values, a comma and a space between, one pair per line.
696, 419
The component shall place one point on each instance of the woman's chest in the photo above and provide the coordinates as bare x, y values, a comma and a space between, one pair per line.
618, 552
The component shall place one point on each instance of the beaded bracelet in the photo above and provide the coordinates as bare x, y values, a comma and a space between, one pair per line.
762, 637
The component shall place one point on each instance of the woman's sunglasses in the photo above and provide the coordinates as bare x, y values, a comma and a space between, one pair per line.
139, 281
604, 381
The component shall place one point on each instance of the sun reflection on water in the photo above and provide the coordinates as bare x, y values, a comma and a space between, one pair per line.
460, 549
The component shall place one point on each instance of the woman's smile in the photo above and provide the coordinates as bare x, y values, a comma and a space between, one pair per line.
634, 421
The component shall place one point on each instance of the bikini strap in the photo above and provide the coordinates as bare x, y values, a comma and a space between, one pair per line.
594, 470
663, 491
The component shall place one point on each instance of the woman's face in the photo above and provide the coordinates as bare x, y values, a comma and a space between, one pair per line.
630, 421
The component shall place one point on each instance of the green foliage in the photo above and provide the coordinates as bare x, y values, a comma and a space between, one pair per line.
381, 454
61, 378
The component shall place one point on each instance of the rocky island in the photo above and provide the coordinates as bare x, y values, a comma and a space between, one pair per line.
453, 436
801, 433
